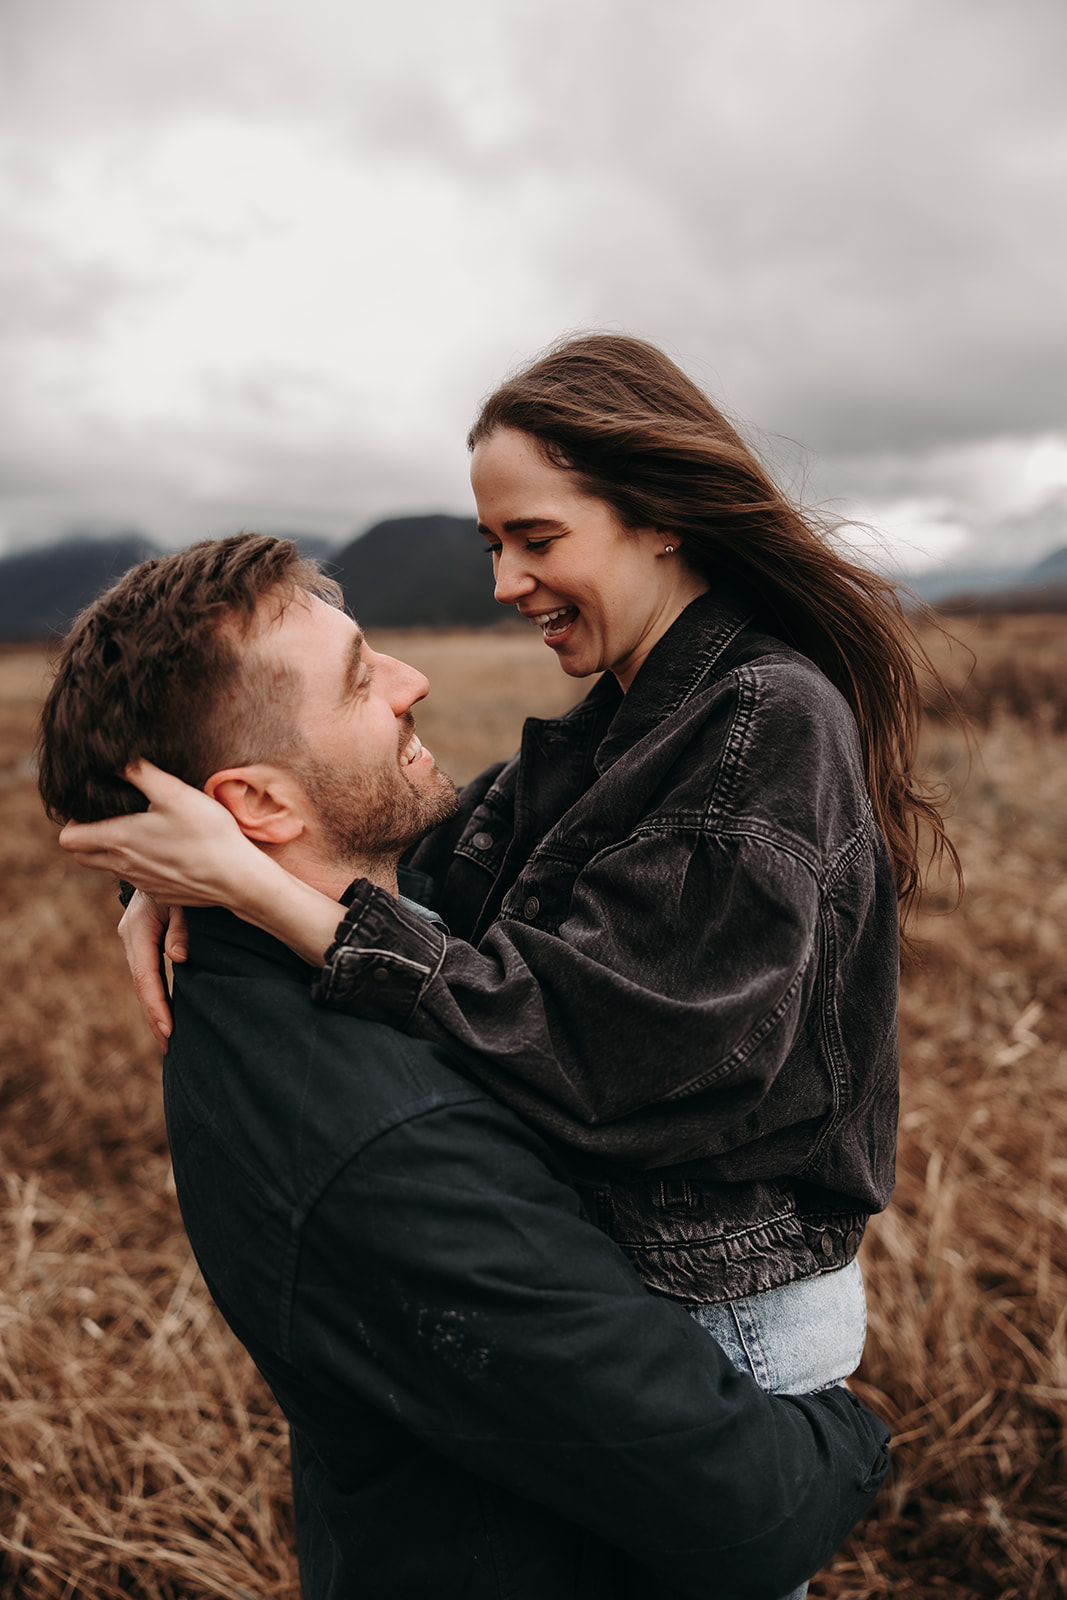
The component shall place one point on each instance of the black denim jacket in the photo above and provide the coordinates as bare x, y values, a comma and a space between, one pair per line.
483, 1400
678, 957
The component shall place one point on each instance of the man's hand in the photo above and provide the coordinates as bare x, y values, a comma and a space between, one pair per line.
144, 928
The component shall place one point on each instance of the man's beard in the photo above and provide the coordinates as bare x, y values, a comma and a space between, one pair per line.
370, 812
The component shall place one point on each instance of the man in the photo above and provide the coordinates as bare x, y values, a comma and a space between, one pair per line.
483, 1399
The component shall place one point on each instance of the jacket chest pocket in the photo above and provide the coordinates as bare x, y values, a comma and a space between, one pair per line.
484, 841
542, 895
471, 887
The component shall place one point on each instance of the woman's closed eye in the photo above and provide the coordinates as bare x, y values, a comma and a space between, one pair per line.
534, 545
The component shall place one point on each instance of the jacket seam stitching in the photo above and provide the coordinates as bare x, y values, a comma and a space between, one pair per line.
747, 1046
734, 744
741, 828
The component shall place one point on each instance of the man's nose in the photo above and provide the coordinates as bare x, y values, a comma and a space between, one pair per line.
407, 686
513, 577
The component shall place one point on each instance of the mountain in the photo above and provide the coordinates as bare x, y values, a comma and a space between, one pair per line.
942, 582
43, 590
426, 571
1004, 590
1053, 569
418, 572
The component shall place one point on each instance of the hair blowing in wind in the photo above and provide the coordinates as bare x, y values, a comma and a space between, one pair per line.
637, 433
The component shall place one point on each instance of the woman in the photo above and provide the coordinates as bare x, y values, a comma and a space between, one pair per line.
673, 914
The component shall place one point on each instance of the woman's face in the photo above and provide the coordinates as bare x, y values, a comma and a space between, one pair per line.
601, 594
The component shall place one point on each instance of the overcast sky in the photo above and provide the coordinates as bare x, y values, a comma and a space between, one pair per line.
259, 259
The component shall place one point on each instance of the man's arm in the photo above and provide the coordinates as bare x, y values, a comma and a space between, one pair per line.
451, 1279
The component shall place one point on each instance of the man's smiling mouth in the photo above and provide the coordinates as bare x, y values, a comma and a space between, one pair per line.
411, 751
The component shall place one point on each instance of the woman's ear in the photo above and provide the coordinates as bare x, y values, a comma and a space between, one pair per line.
264, 801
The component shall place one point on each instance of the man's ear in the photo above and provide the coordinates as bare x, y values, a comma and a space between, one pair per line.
266, 803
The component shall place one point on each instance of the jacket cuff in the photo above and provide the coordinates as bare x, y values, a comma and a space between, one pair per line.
381, 960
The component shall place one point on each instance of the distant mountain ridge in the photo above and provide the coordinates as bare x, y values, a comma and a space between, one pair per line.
43, 590
421, 571
418, 572
1053, 568
997, 590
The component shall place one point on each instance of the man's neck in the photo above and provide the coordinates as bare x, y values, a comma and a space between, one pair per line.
332, 877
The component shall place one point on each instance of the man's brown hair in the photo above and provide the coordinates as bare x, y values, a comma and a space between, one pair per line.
154, 668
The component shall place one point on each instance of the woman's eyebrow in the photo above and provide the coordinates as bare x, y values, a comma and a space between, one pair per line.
521, 525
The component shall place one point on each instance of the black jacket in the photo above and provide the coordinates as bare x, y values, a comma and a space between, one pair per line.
483, 1399
675, 950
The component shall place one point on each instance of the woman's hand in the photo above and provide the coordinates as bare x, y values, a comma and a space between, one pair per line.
144, 928
185, 850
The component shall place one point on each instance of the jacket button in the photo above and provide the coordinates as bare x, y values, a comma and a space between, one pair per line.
531, 908
381, 974
482, 841
827, 1245
852, 1243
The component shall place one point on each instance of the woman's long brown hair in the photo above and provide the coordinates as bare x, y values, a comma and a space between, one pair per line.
639, 434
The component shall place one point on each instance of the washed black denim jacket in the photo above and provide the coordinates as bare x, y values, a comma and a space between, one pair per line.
673, 948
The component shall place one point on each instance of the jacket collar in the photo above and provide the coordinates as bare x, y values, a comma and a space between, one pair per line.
675, 667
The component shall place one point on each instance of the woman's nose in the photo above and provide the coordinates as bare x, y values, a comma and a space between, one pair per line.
513, 579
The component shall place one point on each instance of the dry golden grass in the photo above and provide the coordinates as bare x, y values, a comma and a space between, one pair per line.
1004, 667
482, 686
142, 1456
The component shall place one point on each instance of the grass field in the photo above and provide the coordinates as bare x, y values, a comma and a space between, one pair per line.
142, 1456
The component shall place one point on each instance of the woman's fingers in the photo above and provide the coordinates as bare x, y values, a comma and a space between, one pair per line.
180, 851
161, 789
176, 944
90, 843
188, 849
141, 931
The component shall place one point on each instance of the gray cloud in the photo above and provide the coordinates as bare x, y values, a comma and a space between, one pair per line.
845, 220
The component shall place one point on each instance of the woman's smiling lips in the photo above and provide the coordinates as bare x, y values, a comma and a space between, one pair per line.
554, 624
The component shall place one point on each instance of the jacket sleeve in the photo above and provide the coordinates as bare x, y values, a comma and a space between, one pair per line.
709, 942
476, 1305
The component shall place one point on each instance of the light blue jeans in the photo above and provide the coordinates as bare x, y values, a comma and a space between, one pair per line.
795, 1340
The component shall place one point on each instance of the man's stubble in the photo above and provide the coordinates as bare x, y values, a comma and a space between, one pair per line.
365, 812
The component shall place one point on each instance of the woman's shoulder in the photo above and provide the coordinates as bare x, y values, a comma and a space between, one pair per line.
792, 752
785, 682
725, 643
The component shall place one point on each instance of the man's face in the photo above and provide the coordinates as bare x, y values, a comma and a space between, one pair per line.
373, 788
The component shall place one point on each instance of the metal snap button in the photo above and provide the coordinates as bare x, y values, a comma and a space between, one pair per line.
381, 974
852, 1243
531, 908
482, 841
827, 1245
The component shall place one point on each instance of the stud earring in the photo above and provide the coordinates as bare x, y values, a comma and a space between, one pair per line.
668, 549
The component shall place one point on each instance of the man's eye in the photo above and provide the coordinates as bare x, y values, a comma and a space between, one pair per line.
491, 550
538, 544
